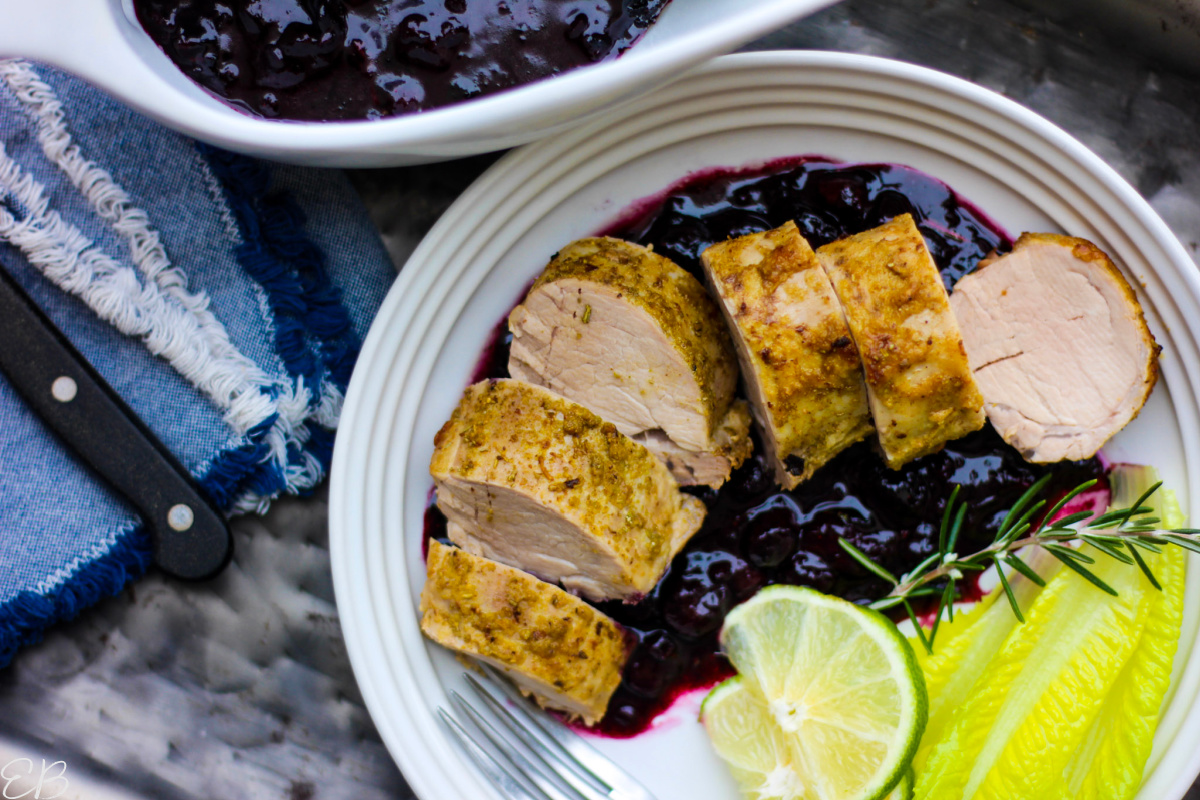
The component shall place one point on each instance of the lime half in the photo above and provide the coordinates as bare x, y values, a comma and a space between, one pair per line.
829, 703
904, 789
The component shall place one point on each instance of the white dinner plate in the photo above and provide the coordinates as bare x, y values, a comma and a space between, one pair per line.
474, 265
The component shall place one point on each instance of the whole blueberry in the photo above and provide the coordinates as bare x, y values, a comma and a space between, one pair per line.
808, 569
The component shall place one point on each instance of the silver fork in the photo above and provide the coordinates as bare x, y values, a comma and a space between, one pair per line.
554, 764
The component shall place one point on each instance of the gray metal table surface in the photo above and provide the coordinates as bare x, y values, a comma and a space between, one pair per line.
241, 688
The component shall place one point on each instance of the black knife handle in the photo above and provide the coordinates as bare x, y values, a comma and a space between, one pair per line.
189, 537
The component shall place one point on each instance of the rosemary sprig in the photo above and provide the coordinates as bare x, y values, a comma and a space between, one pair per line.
1118, 534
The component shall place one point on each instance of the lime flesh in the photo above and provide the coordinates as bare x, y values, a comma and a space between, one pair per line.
829, 703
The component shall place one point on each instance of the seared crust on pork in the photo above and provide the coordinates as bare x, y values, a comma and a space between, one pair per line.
802, 370
632, 336
553, 645
1059, 345
921, 389
531, 479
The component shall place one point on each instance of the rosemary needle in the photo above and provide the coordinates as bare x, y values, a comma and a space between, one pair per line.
1118, 534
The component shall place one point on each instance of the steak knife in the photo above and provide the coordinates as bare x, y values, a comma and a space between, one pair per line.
189, 536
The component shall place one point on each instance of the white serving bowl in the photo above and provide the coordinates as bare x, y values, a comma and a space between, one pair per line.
476, 262
101, 41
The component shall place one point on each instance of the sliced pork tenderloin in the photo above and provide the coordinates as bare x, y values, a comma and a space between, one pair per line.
731, 446
920, 387
632, 336
554, 646
802, 371
1059, 346
536, 481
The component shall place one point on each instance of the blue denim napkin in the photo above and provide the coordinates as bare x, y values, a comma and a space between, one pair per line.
222, 297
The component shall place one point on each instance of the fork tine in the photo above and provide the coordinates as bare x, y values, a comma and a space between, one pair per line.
537, 775
624, 786
500, 777
519, 708
517, 720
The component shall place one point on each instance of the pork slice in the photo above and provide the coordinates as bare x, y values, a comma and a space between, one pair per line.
632, 336
731, 446
554, 646
1059, 345
801, 369
920, 387
533, 480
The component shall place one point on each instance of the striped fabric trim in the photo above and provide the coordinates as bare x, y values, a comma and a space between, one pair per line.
315, 336
72, 262
313, 333
293, 402
24, 619
283, 424
112, 204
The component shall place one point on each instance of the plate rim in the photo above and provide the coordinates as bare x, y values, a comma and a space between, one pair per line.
422, 272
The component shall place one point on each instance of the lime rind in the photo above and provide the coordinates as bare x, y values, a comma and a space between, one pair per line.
837, 685
904, 789
717, 693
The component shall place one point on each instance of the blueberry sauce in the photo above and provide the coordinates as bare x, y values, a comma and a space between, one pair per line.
827, 199
367, 59
756, 534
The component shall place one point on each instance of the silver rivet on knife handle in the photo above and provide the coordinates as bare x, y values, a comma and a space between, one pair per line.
64, 389
189, 536
180, 517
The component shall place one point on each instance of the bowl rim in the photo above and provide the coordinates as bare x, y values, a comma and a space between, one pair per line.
126, 62
349, 516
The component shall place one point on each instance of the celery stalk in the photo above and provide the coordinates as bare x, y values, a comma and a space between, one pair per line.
1040, 692
965, 648
1030, 706
1111, 762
